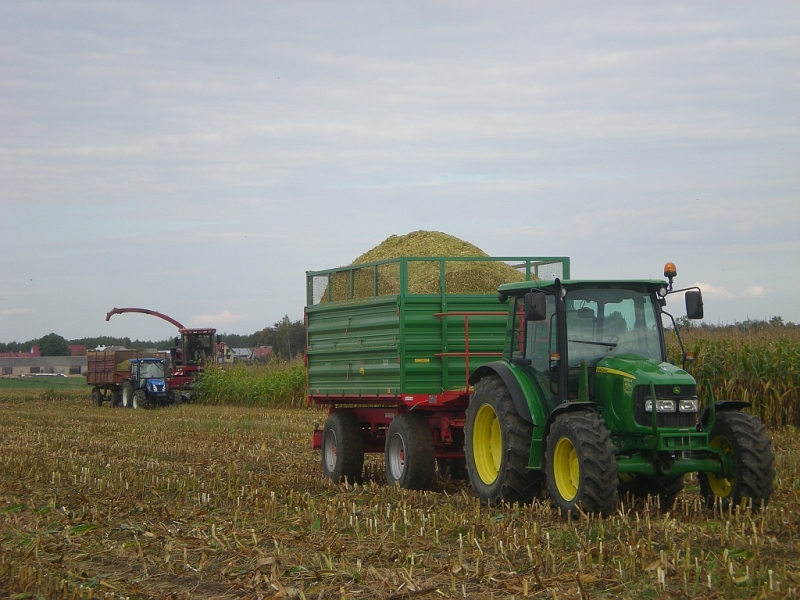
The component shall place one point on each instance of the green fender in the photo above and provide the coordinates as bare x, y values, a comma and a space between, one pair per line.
526, 400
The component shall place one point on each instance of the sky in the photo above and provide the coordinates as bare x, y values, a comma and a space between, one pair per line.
197, 158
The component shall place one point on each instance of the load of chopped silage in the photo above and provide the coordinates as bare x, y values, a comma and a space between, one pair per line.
461, 277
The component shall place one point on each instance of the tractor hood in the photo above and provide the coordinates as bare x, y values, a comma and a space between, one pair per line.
638, 370
156, 386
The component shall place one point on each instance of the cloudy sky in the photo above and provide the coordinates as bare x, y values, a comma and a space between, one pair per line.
196, 158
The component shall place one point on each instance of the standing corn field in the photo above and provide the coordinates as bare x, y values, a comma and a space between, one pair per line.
756, 365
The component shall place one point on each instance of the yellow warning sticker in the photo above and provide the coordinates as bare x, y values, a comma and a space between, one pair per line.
422, 360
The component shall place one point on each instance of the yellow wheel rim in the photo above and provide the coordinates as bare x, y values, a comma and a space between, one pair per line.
566, 469
487, 444
721, 486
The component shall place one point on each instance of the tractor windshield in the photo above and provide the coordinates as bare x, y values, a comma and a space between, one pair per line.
151, 370
611, 321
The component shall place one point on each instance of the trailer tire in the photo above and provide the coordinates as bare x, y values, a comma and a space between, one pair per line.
342, 448
497, 446
640, 486
581, 465
744, 437
115, 399
409, 455
127, 394
97, 396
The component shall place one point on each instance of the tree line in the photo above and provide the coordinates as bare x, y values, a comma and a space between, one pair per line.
286, 337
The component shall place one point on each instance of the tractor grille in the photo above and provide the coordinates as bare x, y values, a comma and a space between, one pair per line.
674, 419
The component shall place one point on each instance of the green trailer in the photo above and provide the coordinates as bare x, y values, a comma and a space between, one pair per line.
391, 345
549, 384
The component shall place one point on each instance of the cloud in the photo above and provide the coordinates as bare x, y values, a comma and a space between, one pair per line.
755, 291
15, 311
223, 318
712, 291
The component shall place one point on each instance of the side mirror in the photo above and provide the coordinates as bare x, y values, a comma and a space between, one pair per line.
694, 305
535, 306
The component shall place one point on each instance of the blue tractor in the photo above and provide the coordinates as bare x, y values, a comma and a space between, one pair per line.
147, 385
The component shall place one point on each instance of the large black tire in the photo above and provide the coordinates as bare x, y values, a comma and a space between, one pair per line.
175, 397
639, 486
116, 400
409, 455
744, 437
581, 465
342, 448
497, 446
140, 399
97, 396
127, 394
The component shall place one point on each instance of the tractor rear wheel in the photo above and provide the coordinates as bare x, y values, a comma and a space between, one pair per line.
640, 486
581, 465
342, 448
127, 394
409, 455
743, 437
498, 445
97, 396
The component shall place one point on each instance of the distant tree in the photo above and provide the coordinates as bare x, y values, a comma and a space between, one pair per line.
53, 345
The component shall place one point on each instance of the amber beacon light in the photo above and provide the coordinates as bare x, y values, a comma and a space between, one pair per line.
670, 272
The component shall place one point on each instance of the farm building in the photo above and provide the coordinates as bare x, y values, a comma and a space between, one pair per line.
34, 365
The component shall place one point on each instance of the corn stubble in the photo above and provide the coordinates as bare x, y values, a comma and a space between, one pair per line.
229, 502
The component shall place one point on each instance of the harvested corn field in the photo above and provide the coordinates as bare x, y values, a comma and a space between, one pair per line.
424, 277
229, 502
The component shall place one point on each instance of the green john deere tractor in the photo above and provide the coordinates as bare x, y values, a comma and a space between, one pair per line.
585, 404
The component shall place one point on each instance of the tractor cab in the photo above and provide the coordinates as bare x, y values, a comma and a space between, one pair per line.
149, 374
602, 342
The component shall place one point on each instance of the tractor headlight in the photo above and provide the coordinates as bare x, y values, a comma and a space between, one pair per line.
661, 405
688, 405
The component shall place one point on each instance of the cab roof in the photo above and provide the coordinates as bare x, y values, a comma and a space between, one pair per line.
548, 285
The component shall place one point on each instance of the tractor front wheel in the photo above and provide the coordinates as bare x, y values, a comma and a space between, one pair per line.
497, 446
127, 394
140, 399
342, 448
744, 439
581, 465
409, 454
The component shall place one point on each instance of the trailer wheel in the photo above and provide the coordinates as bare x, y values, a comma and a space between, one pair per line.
743, 437
115, 398
409, 454
342, 448
640, 486
581, 465
97, 396
140, 399
127, 394
498, 445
